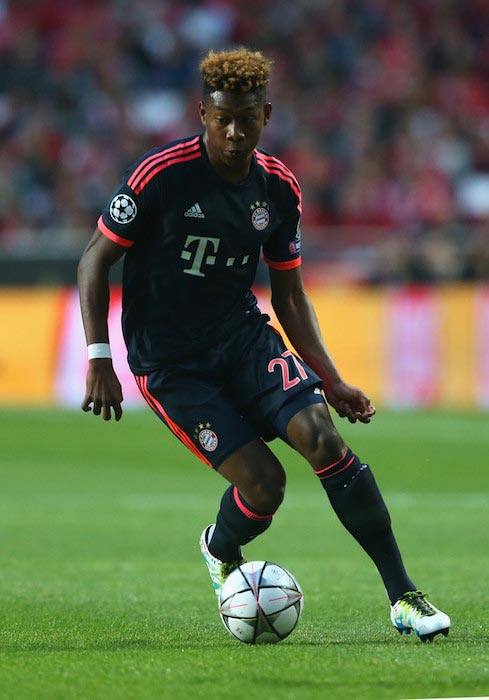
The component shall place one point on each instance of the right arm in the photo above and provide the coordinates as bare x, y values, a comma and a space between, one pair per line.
103, 390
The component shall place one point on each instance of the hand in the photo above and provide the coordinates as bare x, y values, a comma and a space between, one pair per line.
349, 402
104, 391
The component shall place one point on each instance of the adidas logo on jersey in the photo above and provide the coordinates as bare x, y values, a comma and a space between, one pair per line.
195, 211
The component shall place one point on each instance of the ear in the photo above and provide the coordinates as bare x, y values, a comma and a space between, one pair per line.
267, 110
202, 112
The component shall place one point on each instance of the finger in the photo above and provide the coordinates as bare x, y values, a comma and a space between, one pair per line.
86, 404
366, 415
350, 414
117, 411
364, 419
106, 411
97, 407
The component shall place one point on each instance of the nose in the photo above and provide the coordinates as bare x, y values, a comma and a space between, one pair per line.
234, 132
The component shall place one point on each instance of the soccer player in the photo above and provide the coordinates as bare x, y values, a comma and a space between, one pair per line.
192, 219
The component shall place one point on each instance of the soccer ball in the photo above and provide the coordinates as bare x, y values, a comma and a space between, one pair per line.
260, 602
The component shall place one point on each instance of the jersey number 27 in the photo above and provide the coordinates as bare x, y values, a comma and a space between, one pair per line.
287, 381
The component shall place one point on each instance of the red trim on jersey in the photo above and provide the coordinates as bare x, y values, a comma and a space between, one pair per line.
276, 167
167, 151
148, 168
285, 265
113, 236
275, 162
142, 382
244, 509
173, 161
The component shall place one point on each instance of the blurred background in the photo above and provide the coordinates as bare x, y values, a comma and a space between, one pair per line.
381, 109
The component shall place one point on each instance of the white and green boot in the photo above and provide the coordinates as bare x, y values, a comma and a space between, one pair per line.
414, 612
218, 570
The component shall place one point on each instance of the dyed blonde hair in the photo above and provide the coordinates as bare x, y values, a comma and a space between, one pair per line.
238, 70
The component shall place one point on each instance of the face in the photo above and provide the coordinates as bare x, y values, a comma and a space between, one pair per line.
233, 124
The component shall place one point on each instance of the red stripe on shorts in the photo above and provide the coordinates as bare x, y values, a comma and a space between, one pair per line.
142, 382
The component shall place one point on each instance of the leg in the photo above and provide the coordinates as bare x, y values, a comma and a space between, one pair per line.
246, 510
200, 414
257, 490
353, 493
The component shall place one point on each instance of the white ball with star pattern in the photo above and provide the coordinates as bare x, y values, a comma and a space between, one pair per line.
123, 209
260, 603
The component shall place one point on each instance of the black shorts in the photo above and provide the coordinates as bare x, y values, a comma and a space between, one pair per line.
248, 386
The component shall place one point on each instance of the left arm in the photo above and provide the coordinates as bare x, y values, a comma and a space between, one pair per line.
298, 318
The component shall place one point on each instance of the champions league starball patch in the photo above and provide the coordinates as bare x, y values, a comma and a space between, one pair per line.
206, 437
260, 216
123, 209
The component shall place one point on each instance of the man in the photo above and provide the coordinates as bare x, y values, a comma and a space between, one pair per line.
192, 219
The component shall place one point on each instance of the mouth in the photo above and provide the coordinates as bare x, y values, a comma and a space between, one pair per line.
235, 152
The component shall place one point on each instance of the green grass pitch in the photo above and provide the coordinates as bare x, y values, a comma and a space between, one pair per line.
104, 594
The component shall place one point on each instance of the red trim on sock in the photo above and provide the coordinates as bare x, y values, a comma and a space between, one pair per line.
330, 466
245, 510
328, 476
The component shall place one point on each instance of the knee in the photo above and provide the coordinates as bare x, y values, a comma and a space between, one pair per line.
258, 475
313, 434
267, 492
323, 446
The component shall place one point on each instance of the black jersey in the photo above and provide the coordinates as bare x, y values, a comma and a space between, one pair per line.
193, 244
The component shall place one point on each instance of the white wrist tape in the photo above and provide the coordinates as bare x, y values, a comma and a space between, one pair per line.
98, 350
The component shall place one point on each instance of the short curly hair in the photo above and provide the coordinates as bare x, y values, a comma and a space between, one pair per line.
237, 70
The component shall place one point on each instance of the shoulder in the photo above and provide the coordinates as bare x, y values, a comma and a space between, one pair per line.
273, 165
153, 163
275, 168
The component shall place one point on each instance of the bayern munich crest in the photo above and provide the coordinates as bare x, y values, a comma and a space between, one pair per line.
260, 216
206, 437
123, 209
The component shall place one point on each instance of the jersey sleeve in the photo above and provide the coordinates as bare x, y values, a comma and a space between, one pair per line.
282, 251
123, 218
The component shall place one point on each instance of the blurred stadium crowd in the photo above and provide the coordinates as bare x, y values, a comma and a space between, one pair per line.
381, 108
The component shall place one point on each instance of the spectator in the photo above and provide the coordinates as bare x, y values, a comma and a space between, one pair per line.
392, 99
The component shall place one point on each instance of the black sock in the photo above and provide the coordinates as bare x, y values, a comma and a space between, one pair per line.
359, 505
237, 524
